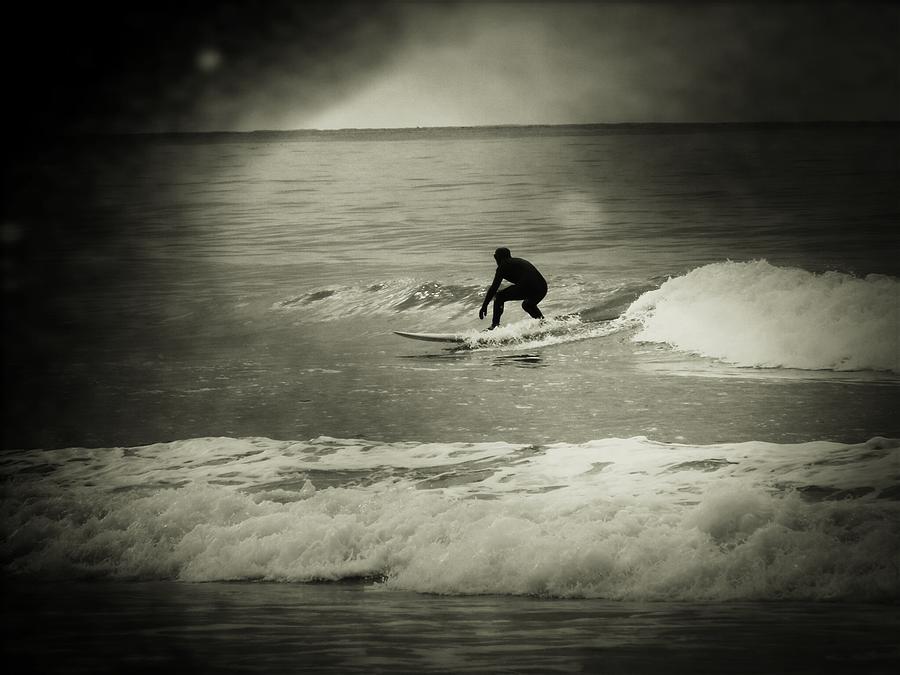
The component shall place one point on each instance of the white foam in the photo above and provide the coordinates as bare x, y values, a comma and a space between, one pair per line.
755, 314
615, 518
534, 333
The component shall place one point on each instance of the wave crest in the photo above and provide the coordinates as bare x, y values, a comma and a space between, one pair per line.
758, 315
384, 298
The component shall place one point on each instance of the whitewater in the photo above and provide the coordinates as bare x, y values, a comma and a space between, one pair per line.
623, 519
758, 315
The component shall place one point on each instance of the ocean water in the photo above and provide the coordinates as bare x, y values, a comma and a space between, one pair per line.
209, 389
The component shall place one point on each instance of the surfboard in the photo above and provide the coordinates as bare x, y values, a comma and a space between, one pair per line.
432, 337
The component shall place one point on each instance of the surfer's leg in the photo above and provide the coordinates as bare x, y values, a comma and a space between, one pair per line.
509, 293
531, 307
531, 304
498, 311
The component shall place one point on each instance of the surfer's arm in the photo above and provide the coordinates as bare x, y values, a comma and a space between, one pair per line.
490, 294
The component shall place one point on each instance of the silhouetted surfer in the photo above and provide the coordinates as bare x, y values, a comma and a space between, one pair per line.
527, 285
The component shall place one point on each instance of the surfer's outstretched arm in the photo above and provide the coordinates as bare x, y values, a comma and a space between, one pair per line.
490, 294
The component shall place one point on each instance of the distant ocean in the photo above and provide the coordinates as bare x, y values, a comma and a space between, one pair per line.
694, 464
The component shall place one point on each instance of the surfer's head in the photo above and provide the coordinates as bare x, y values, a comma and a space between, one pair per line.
502, 254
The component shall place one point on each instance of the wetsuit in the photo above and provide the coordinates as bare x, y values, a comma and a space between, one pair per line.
528, 285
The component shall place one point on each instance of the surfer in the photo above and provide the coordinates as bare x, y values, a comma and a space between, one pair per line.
527, 285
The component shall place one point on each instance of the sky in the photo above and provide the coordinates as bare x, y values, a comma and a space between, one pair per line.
288, 65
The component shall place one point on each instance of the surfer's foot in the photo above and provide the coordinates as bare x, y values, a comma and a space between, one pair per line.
496, 325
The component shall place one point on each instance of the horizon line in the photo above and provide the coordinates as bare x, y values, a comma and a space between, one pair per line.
315, 130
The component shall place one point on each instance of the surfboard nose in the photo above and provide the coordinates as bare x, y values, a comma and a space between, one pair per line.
432, 337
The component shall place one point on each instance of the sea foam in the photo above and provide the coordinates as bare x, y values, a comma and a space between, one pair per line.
759, 315
613, 518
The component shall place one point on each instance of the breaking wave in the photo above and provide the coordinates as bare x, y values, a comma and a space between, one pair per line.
747, 314
758, 315
626, 519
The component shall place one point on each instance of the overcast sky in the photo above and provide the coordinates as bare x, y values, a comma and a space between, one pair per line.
288, 65
622, 62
